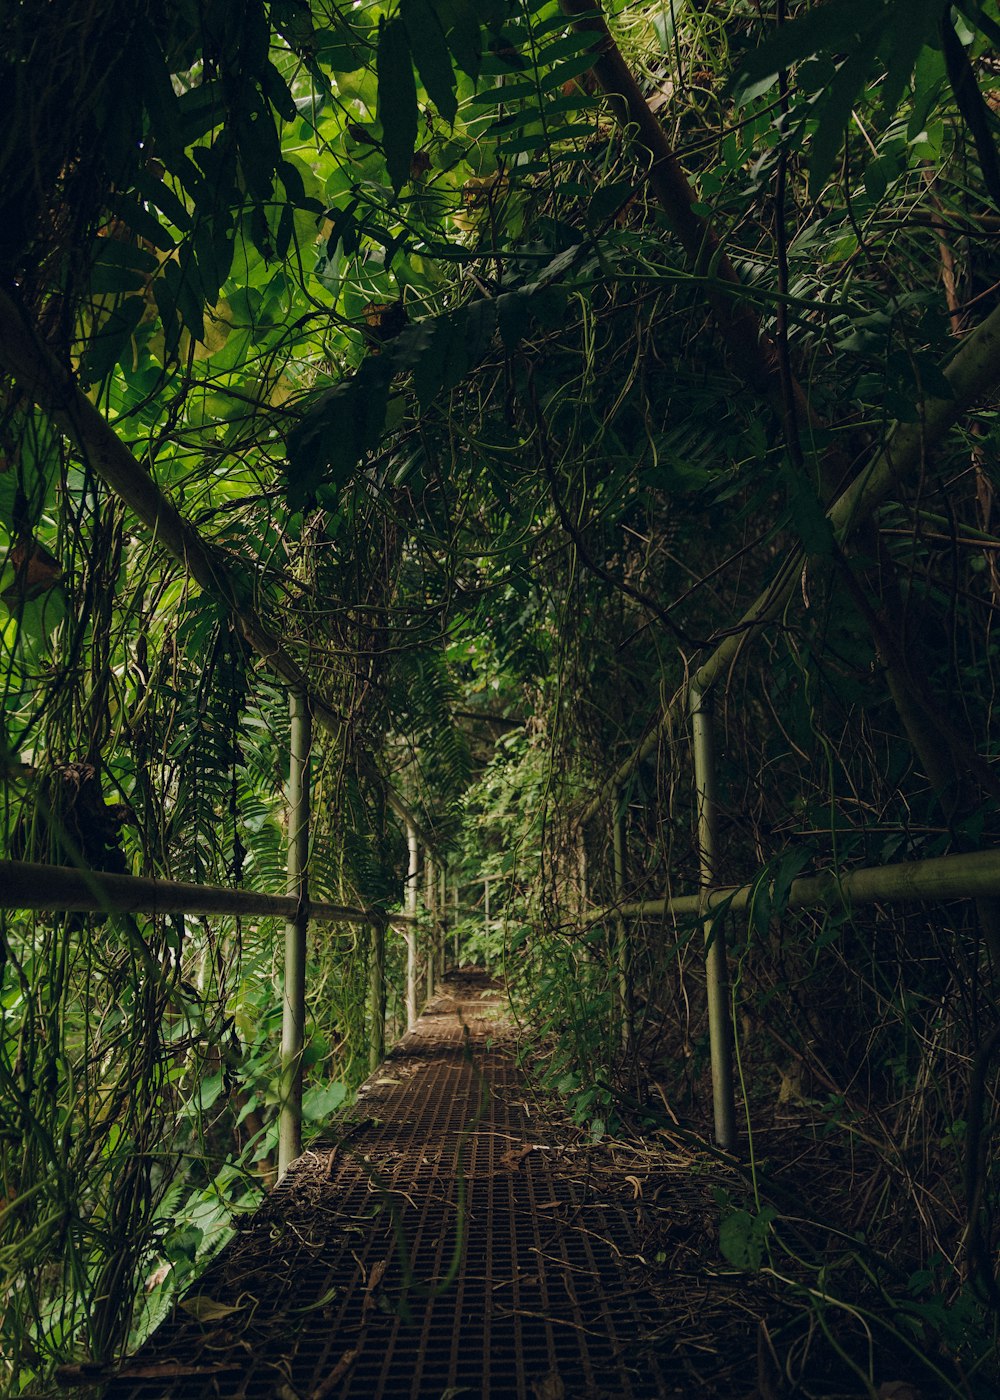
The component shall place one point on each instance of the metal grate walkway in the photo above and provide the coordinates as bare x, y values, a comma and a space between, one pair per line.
445, 1246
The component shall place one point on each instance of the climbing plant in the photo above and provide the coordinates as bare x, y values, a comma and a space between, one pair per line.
497, 357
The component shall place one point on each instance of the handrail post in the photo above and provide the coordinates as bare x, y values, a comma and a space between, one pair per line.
620, 847
376, 996
430, 906
293, 1012
454, 900
442, 899
716, 977
411, 932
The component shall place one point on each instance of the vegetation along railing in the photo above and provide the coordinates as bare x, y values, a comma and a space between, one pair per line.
964, 875
33, 886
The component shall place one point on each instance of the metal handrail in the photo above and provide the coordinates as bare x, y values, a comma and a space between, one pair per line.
962, 876
28, 885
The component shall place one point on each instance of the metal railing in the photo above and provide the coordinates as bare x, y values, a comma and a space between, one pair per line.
968, 875
32, 886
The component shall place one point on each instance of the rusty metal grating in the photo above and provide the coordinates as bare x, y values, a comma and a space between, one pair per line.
422, 1252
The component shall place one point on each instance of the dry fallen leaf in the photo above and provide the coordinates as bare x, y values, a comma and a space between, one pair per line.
374, 1279
636, 1186
898, 1390
516, 1156
158, 1276
550, 1387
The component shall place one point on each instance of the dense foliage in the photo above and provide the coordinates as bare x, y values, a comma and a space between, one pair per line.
504, 375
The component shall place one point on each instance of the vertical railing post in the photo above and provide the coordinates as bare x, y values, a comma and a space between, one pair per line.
454, 901
442, 904
486, 904
623, 997
716, 976
411, 931
376, 996
293, 1016
429, 905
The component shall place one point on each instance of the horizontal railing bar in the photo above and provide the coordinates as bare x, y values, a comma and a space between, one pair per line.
61, 889
963, 876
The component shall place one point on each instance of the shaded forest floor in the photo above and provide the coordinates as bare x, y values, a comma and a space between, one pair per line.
454, 1235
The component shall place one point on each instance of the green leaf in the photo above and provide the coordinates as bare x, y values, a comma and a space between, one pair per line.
911, 26
460, 23
200, 110
875, 179
826, 28
833, 112
808, 517
397, 99
503, 93
277, 93
430, 54
322, 1100
743, 1237
142, 222
157, 192
513, 318
107, 346
326, 446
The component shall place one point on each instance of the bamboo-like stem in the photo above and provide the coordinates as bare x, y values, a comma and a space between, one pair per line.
716, 975
430, 906
963, 876
623, 1001
582, 874
293, 1018
376, 997
443, 913
413, 870
458, 950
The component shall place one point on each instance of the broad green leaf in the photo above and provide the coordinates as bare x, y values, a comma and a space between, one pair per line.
120, 266
833, 112
112, 338
277, 92
430, 54
397, 99
338, 430
825, 28
607, 200
142, 222
157, 192
200, 110
911, 26
743, 1238
460, 23
808, 516
322, 1100
504, 92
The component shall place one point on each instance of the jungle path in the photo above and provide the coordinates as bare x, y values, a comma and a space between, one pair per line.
450, 1240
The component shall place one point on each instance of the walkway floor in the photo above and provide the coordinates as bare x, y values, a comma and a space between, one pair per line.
444, 1245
